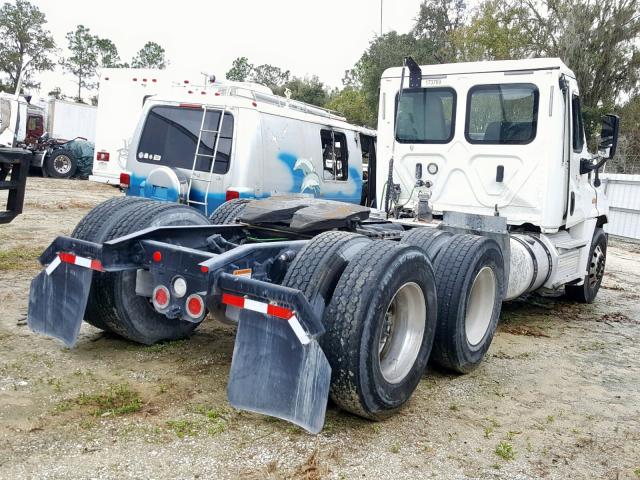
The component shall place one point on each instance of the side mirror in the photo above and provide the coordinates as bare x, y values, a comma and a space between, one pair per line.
609, 136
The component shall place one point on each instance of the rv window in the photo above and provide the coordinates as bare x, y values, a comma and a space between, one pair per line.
502, 114
335, 155
170, 135
578, 126
426, 115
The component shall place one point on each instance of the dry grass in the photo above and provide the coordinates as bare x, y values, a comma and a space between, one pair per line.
20, 258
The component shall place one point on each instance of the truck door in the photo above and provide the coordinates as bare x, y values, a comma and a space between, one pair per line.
579, 190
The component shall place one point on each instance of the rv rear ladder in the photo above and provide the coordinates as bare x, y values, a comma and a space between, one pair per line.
212, 156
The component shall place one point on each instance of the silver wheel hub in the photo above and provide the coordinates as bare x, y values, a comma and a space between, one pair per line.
480, 305
402, 332
62, 164
596, 267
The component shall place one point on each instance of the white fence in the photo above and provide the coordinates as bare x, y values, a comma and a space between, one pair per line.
623, 192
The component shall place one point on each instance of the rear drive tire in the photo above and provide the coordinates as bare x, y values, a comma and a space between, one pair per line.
115, 302
380, 325
228, 212
431, 240
61, 163
587, 292
94, 227
470, 281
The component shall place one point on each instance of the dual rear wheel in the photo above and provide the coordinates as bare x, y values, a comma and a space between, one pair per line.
388, 309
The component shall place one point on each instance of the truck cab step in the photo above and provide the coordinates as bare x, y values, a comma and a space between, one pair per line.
570, 244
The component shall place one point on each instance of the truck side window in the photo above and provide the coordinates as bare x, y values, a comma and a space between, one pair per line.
335, 155
170, 136
578, 125
426, 115
504, 114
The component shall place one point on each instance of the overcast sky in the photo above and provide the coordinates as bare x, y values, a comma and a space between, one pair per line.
323, 37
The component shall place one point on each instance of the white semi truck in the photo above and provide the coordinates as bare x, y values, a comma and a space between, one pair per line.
485, 191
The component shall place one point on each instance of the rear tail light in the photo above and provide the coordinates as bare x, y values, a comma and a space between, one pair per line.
161, 297
195, 306
231, 194
125, 180
102, 156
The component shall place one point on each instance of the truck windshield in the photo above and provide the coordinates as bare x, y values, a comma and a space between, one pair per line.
170, 135
426, 115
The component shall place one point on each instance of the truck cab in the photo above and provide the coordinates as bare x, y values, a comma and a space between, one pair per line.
495, 138
492, 137
233, 142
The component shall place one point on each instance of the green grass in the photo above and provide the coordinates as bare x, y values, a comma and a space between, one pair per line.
505, 450
63, 407
19, 258
165, 346
117, 400
183, 428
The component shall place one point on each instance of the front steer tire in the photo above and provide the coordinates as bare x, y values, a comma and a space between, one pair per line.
369, 379
113, 301
470, 281
587, 292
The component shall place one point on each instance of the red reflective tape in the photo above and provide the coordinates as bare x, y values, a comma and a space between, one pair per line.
67, 257
233, 300
97, 265
280, 312
81, 261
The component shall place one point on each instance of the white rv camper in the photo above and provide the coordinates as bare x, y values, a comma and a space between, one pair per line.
121, 96
241, 141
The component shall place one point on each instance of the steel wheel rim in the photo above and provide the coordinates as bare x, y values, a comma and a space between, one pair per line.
596, 267
402, 332
62, 164
480, 305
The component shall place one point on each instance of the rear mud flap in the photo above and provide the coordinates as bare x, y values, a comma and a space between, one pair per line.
57, 301
273, 373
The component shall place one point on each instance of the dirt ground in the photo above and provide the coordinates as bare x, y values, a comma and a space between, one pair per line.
558, 395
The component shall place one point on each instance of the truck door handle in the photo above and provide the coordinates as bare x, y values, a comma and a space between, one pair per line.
500, 173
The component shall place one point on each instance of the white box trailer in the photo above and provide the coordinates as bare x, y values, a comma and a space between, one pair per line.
68, 120
121, 95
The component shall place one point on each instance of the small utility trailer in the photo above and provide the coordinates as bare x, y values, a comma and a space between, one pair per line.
14, 168
489, 193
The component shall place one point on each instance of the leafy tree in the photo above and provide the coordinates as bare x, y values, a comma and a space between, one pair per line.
308, 90
24, 43
351, 103
436, 25
597, 40
386, 51
84, 58
493, 33
56, 93
107, 53
152, 55
272, 77
240, 70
